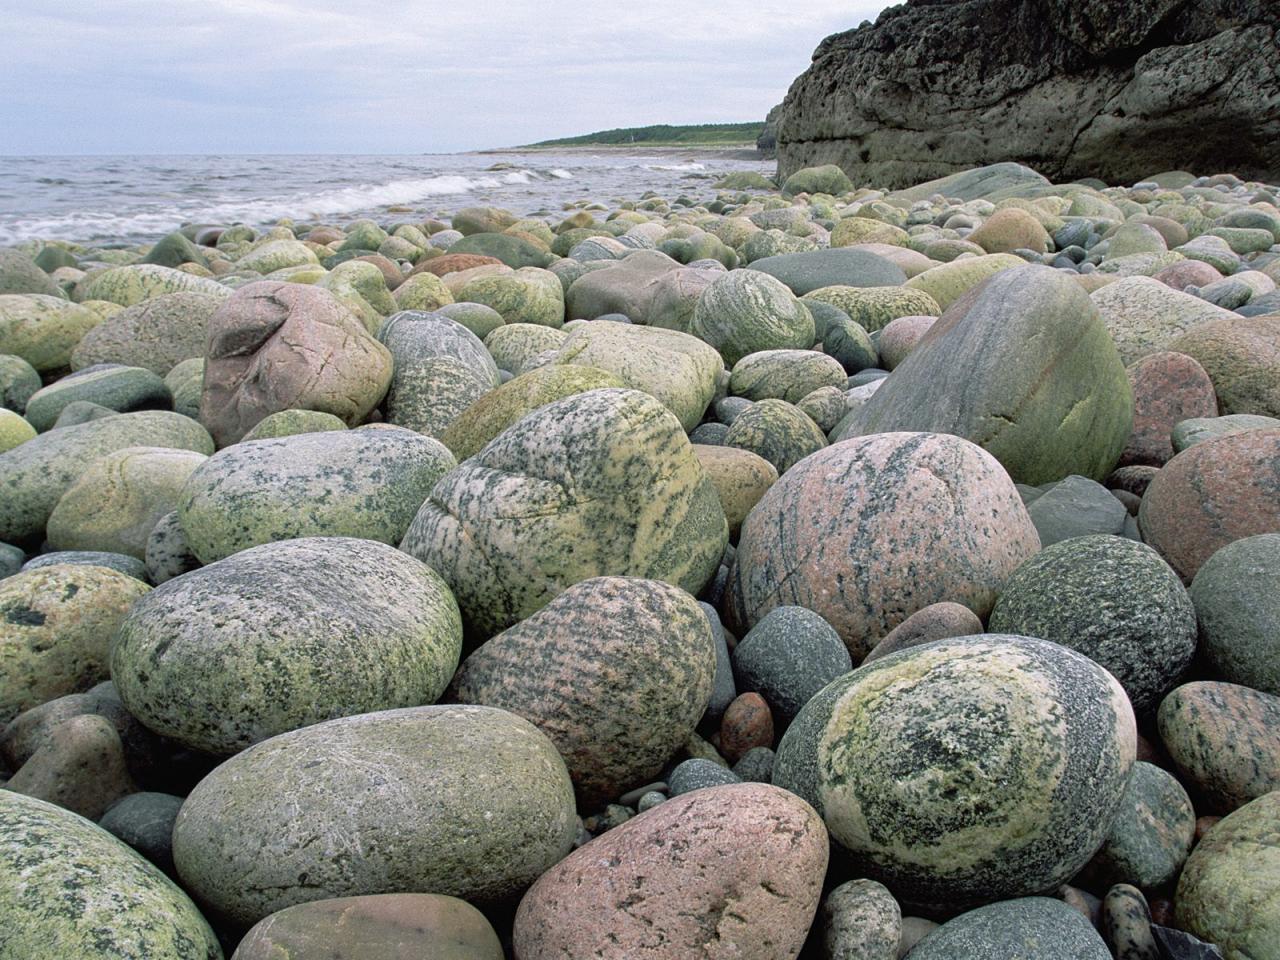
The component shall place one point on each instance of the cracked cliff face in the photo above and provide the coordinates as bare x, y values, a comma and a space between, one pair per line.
1100, 88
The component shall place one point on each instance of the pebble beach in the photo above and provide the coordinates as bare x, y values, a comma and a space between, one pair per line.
708, 567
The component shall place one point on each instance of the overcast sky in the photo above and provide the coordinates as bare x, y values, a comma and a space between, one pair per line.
388, 76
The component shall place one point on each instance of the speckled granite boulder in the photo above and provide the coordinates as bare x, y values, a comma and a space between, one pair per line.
1023, 367
1144, 316
874, 308
285, 635
289, 423
43, 330
1112, 599
1237, 599
615, 706
167, 553
776, 431
281, 346
1030, 928
918, 501
1167, 389
1222, 737
1126, 924
119, 499
738, 866
860, 921
118, 388
1199, 429
1242, 357
386, 926
70, 889
56, 626
470, 802
134, 283
1229, 892
746, 311
888, 753
1151, 835
365, 483
515, 346
1210, 495
788, 375
740, 477
157, 334
604, 483
788, 657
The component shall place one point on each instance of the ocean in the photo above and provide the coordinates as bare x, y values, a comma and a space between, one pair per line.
138, 199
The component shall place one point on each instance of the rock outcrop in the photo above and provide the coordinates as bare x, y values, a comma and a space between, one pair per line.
1075, 88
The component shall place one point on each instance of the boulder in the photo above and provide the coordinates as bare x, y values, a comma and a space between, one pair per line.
746, 311
1144, 316
43, 330
134, 283
1167, 389
812, 270
20, 274
1242, 358
1028, 928
117, 388
1237, 599
157, 334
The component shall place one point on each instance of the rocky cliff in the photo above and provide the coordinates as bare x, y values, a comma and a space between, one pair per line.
1113, 89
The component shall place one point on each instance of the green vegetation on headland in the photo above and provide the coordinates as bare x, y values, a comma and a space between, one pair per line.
663, 135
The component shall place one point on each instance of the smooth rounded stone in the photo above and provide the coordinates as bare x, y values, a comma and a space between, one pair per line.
723, 690
283, 346
186, 384
515, 252
616, 708
875, 307
118, 500
1113, 600
746, 311
1187, 273
740, 477
1144, 316
1126, 924
948, 282
603, 483
19, 273
362, 288
81, 411
43, 330
125, 564
747, 724
777, 431
275, 255
676, 368
1136, 265
145, 822
938, 621
11, 558
156, 334
739, 867
826, 407
787, 657
285, 635
500, 408
1222, 738
424, 291
80, 767
850, 345
814, 269
1133, 480
1167, 389
1237, 600
70, 889
860, 921
1021, 366
18, 381
900, 336
1011, 229
850, 231
289, 423
1187, 433
699, 774
788, 375
1028, 928
134, 283
626, 286
1208, 496
1150, 837
118, 388
479, 319
825, 316
14, 430
1131, 238
965, 771
914, 929
167, 553
650, 800
755, 766
529, 295
175, 250
514, 346
709, 435
1212, 250
1230, 887
387, 926
827, 178
56, 627
1242, 357
471, 220
919, 501
366, 483
1076, 507
465, 801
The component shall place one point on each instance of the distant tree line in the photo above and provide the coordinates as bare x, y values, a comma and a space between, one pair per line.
663, 134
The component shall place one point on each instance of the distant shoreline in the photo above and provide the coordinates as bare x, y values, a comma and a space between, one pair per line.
720, 151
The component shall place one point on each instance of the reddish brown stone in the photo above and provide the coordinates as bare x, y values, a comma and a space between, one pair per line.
390, 272
1134, 480
747, 723
454, 262
80, 767
1167, 388
938, 621
1187, 273
325, 235
1212, 494
726, 872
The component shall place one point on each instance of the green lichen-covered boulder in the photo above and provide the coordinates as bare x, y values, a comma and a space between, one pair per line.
850, 231
949, 282
530, 295
1145, 316
745, 311
174, 250
423, 291
616, 671
114, 387
827, 178
367, 482
778, 431
911, 501
56, 624
70, 889
676, 368
35, 475
288, 423
1242, 357
283, 636
1112, 599
515, 252
158, 333
604, 483
873, 308
1028, 928
815, 269
18, 381
471, 802
740, 478
1021, 366
186, 384
476, 317
967, 770
275, 255
1229, 891
119, 499
514, 346
20, 274
14, 430
789, 375
134, 283
43, 330
363, 289
1237, 600
1011, 229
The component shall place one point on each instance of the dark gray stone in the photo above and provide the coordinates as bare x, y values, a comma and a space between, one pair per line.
723, 690
1076, 507
126, 564
696, 774
787, 657
145, 822
1179, 945
1030, 928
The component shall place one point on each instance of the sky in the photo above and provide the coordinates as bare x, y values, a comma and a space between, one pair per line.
388, 76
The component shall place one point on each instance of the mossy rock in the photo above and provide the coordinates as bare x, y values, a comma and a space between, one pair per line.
806, 272
778, 431
740, 477
423, 291
134, 283
186, 384
362, 287
476, 317
788, 375
14, 430
290, 423
514, 345
873, 308
515, 252
949, 282
18, 381
1144, 316
118, 388
158, 333
43, 330
854, 230
827, 178
529, 295
277, 255
746, 311
21, 274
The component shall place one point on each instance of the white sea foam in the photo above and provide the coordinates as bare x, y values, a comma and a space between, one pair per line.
690, 167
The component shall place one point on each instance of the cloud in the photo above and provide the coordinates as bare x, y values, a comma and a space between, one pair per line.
374, 76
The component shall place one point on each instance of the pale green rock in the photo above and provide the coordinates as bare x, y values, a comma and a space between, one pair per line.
746, 311
828, 178
530, 295
21, 274
367, 482
18, 381
277, 255
854, 230
186, 382
778, 431
1130, 238
363, 235
134, 283
873, 308
422, 291
13, 430
69, 889
1187, 433
950, 281
117, 388
362, 287
514, 345
476, 317
288, 423
158, 333
1144, 316
788, 375
43, 330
